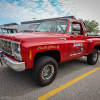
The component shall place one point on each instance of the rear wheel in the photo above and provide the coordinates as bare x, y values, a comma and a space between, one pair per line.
45, 70
93, 57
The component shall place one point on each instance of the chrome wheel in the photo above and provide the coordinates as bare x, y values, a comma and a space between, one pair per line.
47, 72
95, 57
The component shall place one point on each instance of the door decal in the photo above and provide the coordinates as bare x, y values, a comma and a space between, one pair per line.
77, 49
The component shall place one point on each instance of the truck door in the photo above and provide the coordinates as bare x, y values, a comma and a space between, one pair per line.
77, 42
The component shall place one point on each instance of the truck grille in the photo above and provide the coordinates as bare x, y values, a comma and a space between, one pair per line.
5, 45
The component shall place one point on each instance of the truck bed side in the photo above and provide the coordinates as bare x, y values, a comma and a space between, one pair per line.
92, 42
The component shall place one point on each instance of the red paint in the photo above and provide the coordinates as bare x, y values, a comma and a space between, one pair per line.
44, 41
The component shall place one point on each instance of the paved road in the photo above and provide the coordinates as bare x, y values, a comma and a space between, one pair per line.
20, 85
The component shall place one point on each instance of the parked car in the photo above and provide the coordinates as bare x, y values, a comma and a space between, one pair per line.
8, 30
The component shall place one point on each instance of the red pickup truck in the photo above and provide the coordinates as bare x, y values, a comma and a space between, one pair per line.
53, 42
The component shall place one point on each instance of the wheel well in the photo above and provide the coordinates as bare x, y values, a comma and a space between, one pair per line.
53, 53
97, 47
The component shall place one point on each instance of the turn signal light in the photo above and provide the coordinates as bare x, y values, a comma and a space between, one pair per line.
30, 55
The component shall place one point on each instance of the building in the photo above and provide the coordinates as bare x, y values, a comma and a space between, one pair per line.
30, 24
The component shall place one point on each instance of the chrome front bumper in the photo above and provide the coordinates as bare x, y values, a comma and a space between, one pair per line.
16, 66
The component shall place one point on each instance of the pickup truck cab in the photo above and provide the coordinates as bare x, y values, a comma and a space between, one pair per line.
53, 42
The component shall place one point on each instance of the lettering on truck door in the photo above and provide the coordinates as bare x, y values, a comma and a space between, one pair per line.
76, 41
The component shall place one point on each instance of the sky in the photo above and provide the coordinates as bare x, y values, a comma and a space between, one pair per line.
17, 11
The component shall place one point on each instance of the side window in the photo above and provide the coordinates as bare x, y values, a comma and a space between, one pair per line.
77, 28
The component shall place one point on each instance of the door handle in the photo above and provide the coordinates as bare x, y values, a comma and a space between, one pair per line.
63, 39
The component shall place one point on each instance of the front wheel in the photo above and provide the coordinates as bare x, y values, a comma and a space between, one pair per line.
93, 57
45, 70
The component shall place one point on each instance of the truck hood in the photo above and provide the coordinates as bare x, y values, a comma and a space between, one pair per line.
30, 36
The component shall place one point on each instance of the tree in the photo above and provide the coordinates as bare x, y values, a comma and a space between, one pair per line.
91, 26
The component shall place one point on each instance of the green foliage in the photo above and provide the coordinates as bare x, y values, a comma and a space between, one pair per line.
91, 26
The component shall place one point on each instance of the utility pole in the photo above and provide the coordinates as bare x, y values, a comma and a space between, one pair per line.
34, 18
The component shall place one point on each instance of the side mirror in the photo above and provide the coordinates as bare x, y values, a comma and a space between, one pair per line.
84, 23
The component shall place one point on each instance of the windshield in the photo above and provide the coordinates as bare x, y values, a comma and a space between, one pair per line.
55, 26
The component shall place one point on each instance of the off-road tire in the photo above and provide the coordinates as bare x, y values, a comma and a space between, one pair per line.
38, 69
93, 57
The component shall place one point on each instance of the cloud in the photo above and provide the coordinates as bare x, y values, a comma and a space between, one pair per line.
85, 9
25, 10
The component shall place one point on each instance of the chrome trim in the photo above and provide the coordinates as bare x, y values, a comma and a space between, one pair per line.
11, 46
95, 57
16, 66
12, 42
47, 72
63, 39
14, 53
0, 54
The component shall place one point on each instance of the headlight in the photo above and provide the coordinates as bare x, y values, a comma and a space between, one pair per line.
16, 51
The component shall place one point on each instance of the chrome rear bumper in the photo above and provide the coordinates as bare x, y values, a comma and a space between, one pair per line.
16, 66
